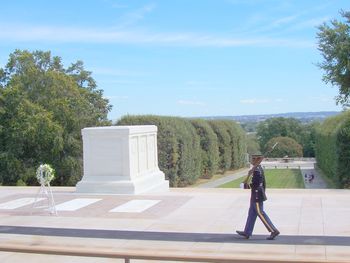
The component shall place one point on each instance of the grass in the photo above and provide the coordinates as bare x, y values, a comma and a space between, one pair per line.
276, 178
215, 177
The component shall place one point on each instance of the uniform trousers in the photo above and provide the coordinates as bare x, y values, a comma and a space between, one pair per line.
257, 209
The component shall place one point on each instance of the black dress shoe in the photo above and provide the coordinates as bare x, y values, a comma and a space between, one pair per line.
243, 234
273, 235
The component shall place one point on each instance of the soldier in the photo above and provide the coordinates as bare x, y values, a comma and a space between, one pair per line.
257, 198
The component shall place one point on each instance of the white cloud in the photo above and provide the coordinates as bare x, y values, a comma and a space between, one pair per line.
118, 5
27, 33
245, 2
195, 83
201, 86
115, 4
271, 22
136, 15
284, 20
254, 101
116, 72
323, 98
117, 97
261, 101
190, 102
123, 82
311, 23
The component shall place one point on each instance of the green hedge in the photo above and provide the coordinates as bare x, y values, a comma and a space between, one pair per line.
178, 147
209, 148
238, 143
193, 148
333, 149
224, 143
344, 157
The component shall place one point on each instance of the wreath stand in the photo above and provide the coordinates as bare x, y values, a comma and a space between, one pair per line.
44, 175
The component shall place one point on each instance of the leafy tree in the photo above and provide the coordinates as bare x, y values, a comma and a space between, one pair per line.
28, 133
308, 138
43, 108
287, 127
286, 147
278, 127
334, 44
253, 146
249, 126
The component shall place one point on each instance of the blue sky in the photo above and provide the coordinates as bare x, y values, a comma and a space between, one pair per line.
184, 57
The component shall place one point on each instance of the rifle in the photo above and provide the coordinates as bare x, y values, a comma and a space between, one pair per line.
244, 184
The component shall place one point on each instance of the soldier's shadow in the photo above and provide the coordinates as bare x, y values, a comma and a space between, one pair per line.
177, 236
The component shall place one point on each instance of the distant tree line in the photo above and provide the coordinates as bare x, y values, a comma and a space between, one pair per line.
189, 149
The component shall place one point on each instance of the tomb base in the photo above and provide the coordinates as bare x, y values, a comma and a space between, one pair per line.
121, 160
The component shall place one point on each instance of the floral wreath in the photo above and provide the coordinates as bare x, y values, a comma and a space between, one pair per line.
45, 174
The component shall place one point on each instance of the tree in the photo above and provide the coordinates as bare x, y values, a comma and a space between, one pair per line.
253, 146
28, 133
43, 108
286, 147
334, 44
287, 127
276, 127
308, 138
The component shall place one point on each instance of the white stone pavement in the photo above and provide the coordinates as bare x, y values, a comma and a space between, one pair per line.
314, 224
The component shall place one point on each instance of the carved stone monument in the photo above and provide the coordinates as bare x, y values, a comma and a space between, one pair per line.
121, 160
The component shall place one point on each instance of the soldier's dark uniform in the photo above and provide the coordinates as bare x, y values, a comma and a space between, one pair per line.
257, 198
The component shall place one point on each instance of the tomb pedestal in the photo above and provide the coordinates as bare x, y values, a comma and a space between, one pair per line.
121, 160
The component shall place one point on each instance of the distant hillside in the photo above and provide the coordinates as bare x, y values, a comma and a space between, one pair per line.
304, 117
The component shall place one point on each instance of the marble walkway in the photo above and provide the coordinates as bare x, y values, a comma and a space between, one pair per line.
314, 224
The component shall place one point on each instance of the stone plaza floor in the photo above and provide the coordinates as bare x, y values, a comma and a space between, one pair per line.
314, 224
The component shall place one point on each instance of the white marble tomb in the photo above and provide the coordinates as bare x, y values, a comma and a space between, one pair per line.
121, 160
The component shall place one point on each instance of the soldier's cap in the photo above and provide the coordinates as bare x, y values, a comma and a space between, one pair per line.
256, 156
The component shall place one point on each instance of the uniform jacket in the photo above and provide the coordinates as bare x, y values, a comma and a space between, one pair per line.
258, 185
